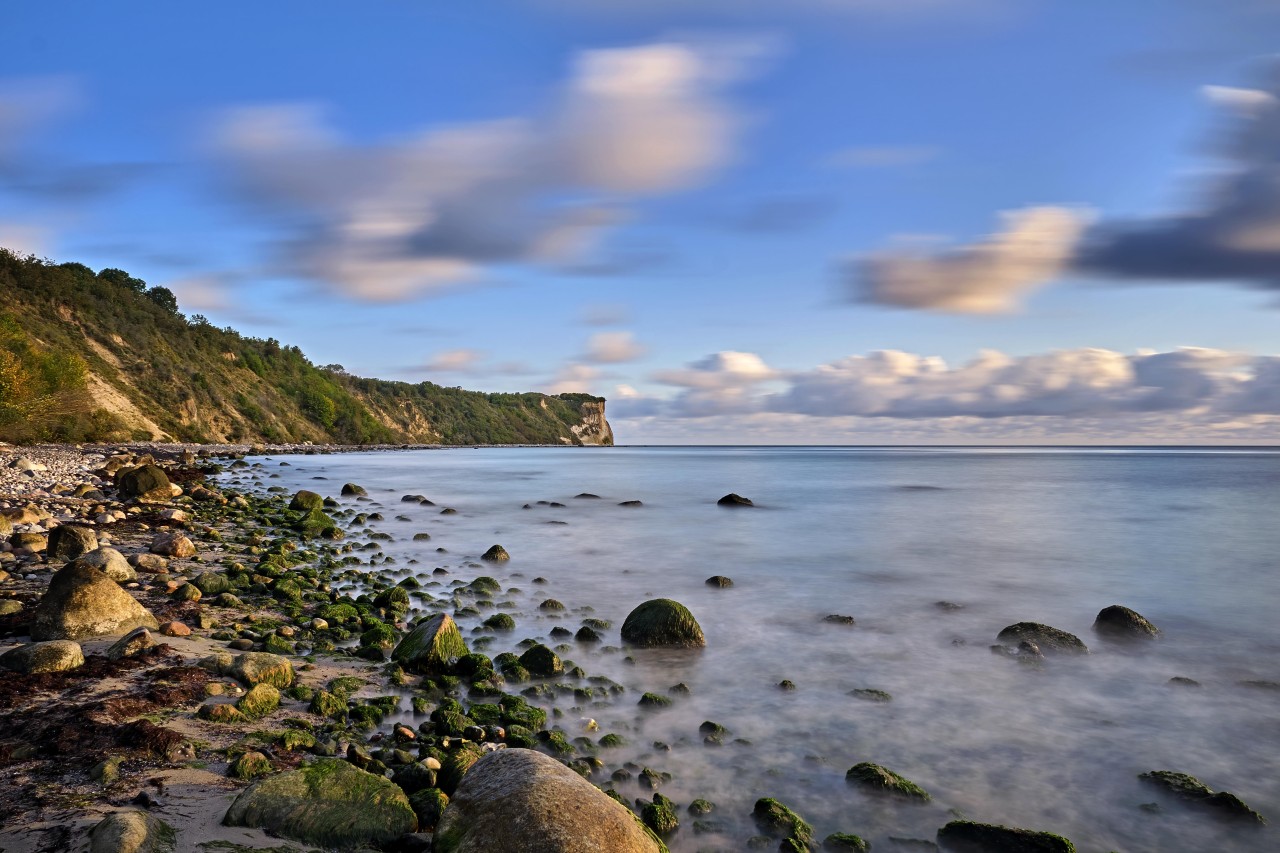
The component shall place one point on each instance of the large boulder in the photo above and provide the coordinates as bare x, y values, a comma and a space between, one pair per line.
329, 803
662, 622
68, 541
1117, 622
262, 668
83, 602
1050, 640
518, 799
131, 832
53, 656
432, 646
146, 483
110, 562
306, 501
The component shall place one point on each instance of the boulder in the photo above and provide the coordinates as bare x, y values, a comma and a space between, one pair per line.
1049, 640
53, 656
352, 490
110, 562
131, 832
135, 642
496, 554
431, 647
877, 779
966, 836
518, 799
662, 622
212, 583
68, 541
734, 500
1120, 623
329, 803
146, 483
306, 501
83, 602
262, 668
1190, 789
171, 543
150, 563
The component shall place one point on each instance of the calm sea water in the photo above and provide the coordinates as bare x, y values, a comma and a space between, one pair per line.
1189, 538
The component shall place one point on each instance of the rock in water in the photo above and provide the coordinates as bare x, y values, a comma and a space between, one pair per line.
662, 622
734, 500
966, 836
1050, 640
496, 554
131, 832
1186, 787
328, 803
68, 541
306, 501
110, 562
83, 602
1120, 623
518, 799
53, 656
431, 647
873, 777
146, 483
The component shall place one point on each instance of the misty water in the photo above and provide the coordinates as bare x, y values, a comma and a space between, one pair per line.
1189, 538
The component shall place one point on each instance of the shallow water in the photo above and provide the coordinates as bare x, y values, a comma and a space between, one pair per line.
1188, 538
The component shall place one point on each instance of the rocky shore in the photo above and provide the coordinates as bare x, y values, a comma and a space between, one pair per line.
194, 659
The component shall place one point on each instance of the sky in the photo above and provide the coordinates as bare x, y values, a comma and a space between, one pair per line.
819, 221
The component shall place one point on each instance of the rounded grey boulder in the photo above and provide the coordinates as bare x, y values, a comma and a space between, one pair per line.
1120, 623
519, 799
110, 562
53, 656
83, 602
662, 622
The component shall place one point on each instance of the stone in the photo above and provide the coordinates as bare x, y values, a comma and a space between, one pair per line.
260, 701
51, 656
131, 831
966, 836
110, 562
432, 646
83, 602
306, 501
262, 668
496, 554
1049, 640
175, 628
776, 820
1120, 623
1190, 789
146, 483
248, 766
68, 541
734, 500
8, 607
328, 803
171, 543
662, 622
352, 490
873, 777
135, 642
212, 583
518, 799
150, 563
542, 662
187, 592
719, 581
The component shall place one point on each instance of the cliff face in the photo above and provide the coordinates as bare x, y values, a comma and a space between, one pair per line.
95, 357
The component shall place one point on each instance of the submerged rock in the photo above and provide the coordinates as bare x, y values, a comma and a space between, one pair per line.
1190, 789
1120, 623
329, 803
966, 836
431, 647
778, 821
83, 602
131, 832
518, 799
351, 489
873, 777
662, 622
734, 500
496, 554
306, 501
53, 656
719, 581
1049, 640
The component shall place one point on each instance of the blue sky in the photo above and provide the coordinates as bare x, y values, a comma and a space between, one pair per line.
700, 210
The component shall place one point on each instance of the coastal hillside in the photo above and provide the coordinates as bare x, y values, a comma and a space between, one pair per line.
100, 356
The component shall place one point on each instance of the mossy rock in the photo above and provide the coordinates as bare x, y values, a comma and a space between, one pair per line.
329, 803
352, 490
654, 700
315, 524
1188, 788
260, 701
432, 647
456, 764
1118, 622
660, 815
1049, 639
775, 819
251, 765
145, 483
542, 662
662, 622
133, 831
212, 583
846, 842
873, 777
338, 614
221, 713
262, 668
429, 805
966, 836
496, 554
305, 501
379, 636
394, 599
500, 622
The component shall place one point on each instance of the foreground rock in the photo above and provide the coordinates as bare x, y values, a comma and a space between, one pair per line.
53, 656
432, 647
1049, 640
1120, 623
662, 622
83, 602
110, 562
329, 803
518, 799
131, 832
966, 836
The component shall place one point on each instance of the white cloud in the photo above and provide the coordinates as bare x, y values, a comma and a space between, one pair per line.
454, 361
613, 348
408, 217
985, 277
574, 379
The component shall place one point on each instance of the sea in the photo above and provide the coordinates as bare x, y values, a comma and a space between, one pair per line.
931, 551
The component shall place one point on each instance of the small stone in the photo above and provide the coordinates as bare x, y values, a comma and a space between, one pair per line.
175, 629
719, 581
733, 500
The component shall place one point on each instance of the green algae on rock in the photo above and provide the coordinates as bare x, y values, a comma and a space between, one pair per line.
132, 831
775, 819
873, 777
1049, 639
431, 647
662, 622
1186, 787
1120, 623
966, 836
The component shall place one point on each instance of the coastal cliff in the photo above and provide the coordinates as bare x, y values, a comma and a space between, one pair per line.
88, 356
